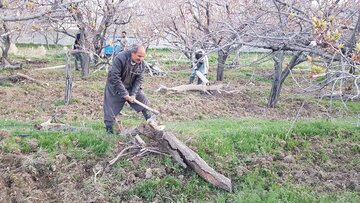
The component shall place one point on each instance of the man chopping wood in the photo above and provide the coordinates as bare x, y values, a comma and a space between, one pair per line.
124, 85
200, 62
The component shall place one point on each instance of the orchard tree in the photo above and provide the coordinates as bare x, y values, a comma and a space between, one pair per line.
94, 19
327, 31
17, 12
193, 24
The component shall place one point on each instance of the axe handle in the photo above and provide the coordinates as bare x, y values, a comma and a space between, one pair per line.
146, 107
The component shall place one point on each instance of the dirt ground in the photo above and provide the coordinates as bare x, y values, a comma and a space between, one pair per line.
33, 178
27, 101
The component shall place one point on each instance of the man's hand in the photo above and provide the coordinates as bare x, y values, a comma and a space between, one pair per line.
129, 98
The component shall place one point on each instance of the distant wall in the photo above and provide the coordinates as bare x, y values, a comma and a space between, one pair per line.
37, 38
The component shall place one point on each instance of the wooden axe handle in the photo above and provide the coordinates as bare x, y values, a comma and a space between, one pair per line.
146, 107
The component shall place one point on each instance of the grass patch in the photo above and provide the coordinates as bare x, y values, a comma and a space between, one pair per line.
352, 106
229, 137
223, 143
86, 142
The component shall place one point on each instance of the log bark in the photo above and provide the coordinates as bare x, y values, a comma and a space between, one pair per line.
185, 156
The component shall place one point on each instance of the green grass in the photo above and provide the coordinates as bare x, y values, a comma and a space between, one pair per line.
223, 143
32, 45
87, 141
352, 106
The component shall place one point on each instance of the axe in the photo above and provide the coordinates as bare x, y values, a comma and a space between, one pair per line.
146, 107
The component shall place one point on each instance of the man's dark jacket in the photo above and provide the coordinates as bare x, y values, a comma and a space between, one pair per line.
125, 78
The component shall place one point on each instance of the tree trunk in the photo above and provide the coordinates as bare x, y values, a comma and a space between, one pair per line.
276, 84
222, 56
85, 63
298, 58
85, 58
56, 38
236, 59
46, 41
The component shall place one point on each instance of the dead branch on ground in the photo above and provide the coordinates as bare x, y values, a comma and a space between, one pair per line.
50, 125
20, 77
179, 151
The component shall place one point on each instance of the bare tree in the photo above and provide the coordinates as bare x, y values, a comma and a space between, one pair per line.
93, 19
192, 24
24, 11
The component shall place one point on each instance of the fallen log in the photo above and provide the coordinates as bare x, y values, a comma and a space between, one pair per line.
50, 126
184, 156
154, 70
5, 65
32, 79
183, 88
20, 77
11, 67
50, 68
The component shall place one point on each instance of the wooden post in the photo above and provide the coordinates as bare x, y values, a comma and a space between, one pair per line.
68, 80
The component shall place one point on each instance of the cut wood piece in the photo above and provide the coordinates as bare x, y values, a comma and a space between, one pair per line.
183, 88
140, 140
185, 156
202, 78
155, 125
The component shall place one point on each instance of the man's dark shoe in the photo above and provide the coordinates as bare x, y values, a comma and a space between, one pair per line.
191, 80
109, 130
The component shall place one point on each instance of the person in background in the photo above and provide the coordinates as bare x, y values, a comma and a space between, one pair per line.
123, 41
200, 62
77, 55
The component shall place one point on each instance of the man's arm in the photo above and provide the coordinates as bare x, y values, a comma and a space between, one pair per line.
115, 77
